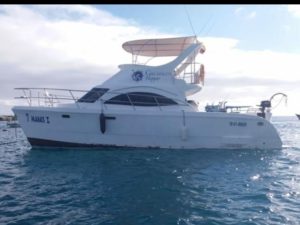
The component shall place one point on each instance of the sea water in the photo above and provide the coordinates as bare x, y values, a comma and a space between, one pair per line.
136, 186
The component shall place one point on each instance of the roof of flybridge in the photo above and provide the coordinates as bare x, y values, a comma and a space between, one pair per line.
160, 47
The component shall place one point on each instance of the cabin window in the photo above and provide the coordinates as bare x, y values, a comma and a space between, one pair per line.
141, 99
119, 100
93, 95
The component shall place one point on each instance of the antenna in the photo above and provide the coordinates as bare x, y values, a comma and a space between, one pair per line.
187, 13
206, 25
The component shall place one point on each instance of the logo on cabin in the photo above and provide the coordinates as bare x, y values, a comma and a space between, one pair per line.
137, 76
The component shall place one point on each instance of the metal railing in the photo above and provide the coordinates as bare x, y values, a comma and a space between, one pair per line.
190, 73
50, 97
221, 107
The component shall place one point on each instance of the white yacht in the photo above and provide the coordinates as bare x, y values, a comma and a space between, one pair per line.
142, 106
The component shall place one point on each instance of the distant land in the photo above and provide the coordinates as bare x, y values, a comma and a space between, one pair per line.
7, 117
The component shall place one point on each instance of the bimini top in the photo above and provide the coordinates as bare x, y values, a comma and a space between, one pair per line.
160, 47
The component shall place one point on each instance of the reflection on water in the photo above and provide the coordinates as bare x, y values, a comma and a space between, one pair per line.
69, 186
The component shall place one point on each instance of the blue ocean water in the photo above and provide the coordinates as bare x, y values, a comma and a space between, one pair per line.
80, 186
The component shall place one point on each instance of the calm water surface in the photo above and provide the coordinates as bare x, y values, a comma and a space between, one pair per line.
79, 186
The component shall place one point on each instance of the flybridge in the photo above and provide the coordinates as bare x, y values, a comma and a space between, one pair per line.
184, 66
160, 47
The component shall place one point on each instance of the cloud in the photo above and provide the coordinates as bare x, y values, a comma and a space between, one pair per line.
224, 57
247, 76
252, 15
294, 10
243, 12
54, 45
85, 13
239, 10
79, 46
40, 43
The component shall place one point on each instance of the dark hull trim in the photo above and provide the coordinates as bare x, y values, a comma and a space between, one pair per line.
36, 142
44, 143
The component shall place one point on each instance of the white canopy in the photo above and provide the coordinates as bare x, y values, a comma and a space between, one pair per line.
159, 47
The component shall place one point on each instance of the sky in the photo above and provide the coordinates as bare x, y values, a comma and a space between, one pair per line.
252, 51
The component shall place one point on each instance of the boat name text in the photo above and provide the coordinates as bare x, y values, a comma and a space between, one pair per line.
237, 124
149, 75
38, 119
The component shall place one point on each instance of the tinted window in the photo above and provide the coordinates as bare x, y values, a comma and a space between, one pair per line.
93, 95
141, 99
119, 100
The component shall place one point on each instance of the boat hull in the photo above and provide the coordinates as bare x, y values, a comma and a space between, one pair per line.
63, 127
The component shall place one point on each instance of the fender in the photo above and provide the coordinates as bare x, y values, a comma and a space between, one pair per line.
103, 119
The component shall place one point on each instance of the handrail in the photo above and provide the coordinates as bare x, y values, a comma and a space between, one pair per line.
189, 74
56, 89
50, 100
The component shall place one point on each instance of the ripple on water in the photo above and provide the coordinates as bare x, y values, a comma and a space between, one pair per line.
44, 186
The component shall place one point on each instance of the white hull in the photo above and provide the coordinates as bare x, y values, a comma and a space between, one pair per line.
143, 106
63, 127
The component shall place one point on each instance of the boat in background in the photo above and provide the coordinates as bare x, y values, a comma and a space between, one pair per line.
143, 106
298, 116
13, 124
263, 109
